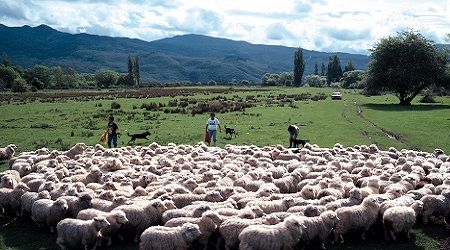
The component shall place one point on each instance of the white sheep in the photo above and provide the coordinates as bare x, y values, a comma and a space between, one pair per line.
232, 227
49, 212
29, 198
12, 197
183, 212
7, 152
142, 216
22, 166
401, 219
115, 218
318, 227
270, 206
359, 217
284, 235
208, 223
436, 205
78, 149
182, 200
9, 179
76, 204
75, 232
169, 238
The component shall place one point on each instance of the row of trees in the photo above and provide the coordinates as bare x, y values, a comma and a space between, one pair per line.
331, 75
40, 77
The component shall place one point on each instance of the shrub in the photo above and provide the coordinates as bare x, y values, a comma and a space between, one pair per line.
115, 105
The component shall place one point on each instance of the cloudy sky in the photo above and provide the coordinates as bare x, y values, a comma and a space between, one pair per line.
351, 26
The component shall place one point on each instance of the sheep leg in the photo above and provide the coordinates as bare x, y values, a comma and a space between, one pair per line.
337, 236
363, 236
407, 234
323, 245
391, 233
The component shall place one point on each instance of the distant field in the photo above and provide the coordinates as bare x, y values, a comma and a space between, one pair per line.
58, 120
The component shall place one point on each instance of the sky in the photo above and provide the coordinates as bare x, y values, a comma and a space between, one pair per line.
352, 26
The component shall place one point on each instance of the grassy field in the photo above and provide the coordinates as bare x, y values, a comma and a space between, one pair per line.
59, 123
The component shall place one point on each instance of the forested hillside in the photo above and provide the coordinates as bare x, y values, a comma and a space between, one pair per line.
181, 58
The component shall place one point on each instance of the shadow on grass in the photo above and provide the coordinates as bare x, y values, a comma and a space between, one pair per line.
397, 107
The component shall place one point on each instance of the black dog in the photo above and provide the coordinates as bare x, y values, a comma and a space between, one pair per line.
138, 136
230, 131
299, 141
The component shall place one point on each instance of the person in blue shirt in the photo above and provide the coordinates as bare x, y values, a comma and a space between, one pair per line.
211, 128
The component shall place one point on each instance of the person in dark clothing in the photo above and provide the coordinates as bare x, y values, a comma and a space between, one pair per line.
293, 133
113, 132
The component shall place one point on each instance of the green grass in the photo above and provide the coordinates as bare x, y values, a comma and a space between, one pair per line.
61, 123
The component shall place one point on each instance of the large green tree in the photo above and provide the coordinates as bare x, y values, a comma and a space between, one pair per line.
405, 65
106, 78
299, 67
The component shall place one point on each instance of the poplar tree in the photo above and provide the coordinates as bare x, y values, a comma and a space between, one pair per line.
299, 67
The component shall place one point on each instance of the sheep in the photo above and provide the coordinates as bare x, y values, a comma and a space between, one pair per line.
115, 219
169, 238
175, 213
75, 232
76, 204
22, 166
48, 212
318, 227
288, 183
12, 197
232, 227
78, 149
401, 219
29, 198
143, 216
9, 179
284, 235
309, 210
7, 152
436, 205
207, 223
357, 217
182, 200
274, 206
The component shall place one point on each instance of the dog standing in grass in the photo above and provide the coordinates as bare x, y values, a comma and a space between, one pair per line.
138, 136
230, 131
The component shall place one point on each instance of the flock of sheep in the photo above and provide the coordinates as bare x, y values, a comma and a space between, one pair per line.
246, 197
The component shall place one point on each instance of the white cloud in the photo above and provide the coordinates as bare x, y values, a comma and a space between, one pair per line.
324, 25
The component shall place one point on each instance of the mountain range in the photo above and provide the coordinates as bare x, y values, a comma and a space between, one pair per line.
194, 58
